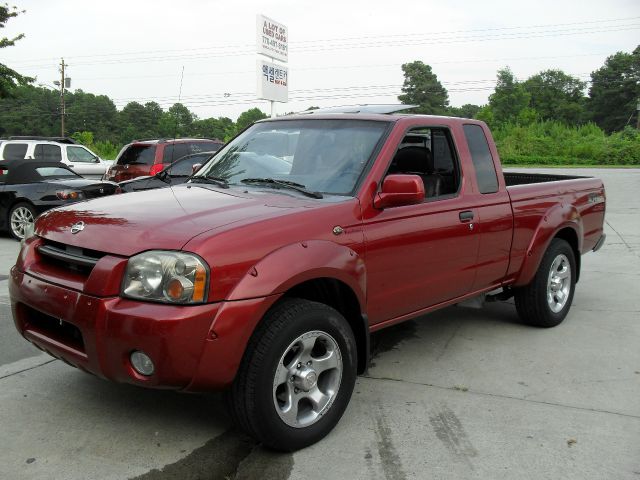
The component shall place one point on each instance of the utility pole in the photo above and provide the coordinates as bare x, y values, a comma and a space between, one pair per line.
62, 106
638, 115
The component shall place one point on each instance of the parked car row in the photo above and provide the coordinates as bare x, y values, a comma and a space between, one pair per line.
29, 187
55, 149
40, 173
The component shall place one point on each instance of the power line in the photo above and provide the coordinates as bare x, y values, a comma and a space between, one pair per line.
382, 41
378, 38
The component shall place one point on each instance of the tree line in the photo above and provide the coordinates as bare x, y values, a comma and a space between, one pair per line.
609, 99
520, 112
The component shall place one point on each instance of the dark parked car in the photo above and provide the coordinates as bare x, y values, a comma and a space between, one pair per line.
176, 173
29, 187
150, 157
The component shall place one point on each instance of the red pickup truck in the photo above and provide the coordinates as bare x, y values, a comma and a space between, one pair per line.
264, 274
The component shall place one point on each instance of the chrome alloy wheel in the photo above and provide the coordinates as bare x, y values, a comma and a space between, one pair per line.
559, 283
21, 217
307, 379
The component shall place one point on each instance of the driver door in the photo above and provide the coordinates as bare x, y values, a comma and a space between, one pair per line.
419, 256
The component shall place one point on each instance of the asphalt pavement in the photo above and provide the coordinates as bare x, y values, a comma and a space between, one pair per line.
459, 394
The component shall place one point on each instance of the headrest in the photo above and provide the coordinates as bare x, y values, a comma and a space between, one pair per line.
414, 159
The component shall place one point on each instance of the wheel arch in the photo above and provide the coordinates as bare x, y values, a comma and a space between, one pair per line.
560, 221
338, 295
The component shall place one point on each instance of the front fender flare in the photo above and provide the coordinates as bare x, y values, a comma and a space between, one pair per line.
296, 263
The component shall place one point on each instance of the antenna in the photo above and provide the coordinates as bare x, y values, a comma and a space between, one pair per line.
175, 130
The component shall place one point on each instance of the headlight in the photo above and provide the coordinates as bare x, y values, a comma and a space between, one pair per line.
165, 276
29, 231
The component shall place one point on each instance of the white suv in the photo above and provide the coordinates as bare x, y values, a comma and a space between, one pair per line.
83, 161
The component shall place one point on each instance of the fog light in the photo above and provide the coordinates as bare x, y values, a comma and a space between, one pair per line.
142, 363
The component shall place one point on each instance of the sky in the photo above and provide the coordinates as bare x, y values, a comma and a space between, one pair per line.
203, 52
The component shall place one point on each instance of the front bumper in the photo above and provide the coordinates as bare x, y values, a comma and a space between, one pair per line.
195, 348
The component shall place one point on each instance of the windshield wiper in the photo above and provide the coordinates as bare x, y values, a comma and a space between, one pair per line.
220, 182
286, 184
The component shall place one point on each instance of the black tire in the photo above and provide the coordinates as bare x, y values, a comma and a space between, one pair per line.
251, 400
532, 300
25, 207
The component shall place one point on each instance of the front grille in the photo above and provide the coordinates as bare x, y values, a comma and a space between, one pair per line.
71, 258
51, 327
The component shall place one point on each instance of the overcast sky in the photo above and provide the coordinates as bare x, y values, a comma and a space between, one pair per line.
341, 52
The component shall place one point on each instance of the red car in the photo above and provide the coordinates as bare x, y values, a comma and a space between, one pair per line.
149, 157
266, 272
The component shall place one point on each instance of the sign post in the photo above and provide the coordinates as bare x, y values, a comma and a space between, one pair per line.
272, 41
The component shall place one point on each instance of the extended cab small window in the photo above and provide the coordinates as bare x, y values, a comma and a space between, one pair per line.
428, 153
15, 151
481, 158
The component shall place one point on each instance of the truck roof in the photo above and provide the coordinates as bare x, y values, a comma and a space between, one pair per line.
385, 113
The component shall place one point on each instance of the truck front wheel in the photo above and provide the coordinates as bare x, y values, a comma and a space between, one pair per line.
296, 377
546, 301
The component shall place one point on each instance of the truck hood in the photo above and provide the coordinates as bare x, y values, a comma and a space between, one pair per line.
165, 218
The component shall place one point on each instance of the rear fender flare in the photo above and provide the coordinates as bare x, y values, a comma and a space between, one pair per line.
557, 218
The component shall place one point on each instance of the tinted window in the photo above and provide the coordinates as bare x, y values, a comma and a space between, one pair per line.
47, 153
482, 159
175, 151
79, 154
185, 167
137, 155
15, 151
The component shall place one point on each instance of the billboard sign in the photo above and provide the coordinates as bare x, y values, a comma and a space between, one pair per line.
272, 38
273, 81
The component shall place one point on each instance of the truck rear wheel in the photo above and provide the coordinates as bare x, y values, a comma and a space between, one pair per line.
296, 377
546, 301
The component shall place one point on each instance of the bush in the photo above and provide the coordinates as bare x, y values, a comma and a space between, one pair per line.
554, 143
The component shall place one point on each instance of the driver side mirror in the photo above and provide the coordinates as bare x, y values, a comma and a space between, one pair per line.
399, 190
195, 168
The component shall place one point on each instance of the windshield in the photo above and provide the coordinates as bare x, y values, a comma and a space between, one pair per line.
322, 155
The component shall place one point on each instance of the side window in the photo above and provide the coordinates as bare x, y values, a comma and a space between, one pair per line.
482, 160
37, 152
174, 152
184, 168
51, 153
15, 151
427, 152
80, 154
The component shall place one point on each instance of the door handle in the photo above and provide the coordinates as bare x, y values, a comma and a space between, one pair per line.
466, 216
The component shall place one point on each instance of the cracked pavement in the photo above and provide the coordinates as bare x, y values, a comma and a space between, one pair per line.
461, 393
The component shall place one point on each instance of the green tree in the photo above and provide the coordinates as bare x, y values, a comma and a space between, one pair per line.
176, 122
30, 111
509, 102
422, 87
9, 78
468, 110
556, 96
615, 91
247, 117
94, 113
